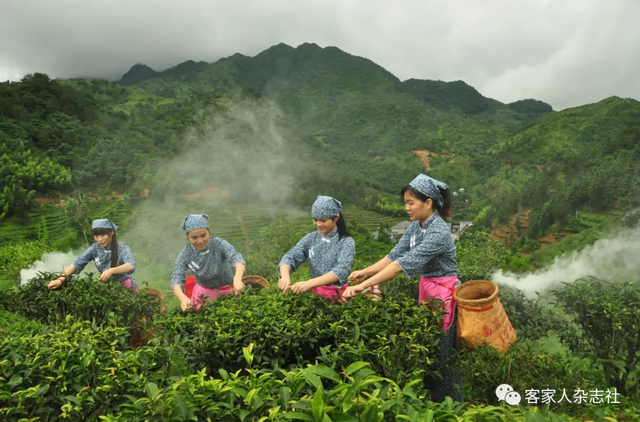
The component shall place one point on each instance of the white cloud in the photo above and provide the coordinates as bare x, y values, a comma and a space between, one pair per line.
599, 59
565, 52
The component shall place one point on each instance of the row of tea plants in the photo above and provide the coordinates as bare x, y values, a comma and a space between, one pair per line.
70, 354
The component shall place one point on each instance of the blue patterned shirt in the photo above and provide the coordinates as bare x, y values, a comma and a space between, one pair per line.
102, 258
324, 254
429, 250
212, 267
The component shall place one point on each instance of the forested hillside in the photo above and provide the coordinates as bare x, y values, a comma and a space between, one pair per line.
251, 141
290, 122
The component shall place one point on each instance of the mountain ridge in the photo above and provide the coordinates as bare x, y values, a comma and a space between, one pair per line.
284, 60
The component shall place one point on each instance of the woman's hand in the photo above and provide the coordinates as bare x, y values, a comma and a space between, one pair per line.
284, 284
301, 287
352, 291
237, 286
106, 274
54, 284
360, 275
185, 303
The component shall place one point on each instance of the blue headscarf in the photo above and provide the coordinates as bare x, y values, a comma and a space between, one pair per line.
103, 223
195, 221
429, 187
325, 207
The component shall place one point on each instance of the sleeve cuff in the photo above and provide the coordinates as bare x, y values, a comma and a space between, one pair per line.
342, 277
405, 271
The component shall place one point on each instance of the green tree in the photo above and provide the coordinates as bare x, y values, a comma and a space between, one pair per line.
76, 214
22, 175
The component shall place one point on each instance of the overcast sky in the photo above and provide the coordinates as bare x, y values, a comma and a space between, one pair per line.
564, 52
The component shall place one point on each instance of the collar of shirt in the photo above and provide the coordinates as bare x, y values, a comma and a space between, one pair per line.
331, 236
203, 251
427, 223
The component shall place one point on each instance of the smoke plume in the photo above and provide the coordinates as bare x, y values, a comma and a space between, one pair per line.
54, 262
235, 165
615, 258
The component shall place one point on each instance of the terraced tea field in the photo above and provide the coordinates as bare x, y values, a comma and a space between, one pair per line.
369, 219
14, 231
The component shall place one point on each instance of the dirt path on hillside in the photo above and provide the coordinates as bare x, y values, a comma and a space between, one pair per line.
211, 191
425, 156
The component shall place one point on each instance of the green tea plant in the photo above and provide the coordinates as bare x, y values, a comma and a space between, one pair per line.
609, 317
484, 369
315, 393
397, 338
530, 319
478, 255
73, 370
83, 297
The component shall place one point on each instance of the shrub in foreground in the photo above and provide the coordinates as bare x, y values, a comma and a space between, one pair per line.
80, 296
397, 338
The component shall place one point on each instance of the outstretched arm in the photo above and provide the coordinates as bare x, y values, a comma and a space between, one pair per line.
237, 279
290, 261
178, 277
387, 273
305, 286
54, 284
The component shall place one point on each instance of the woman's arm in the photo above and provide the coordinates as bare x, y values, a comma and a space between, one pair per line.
387, 273
362, 275
71, 269
185, 301
290, 261
178, 277
237, 279
124, 268
398, 250
305, 286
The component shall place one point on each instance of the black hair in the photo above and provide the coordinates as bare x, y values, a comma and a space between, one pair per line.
343, 231
114, 244
445, 211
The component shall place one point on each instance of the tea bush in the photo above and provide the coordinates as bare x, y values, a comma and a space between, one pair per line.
74, 370
82, 297
609, 317
402, 289
294, 357
84, 373
484, 369
397, 338
14, 258
529, 318
314, 393
15, 325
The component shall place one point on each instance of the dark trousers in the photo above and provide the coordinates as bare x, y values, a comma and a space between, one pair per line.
451, 382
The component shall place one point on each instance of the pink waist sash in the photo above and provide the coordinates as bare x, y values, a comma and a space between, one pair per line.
129, 285
441, 288
209, 293
331, 292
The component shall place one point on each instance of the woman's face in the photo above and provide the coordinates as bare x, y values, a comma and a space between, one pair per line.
103, 240
325, 226
416, 209
199, 238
